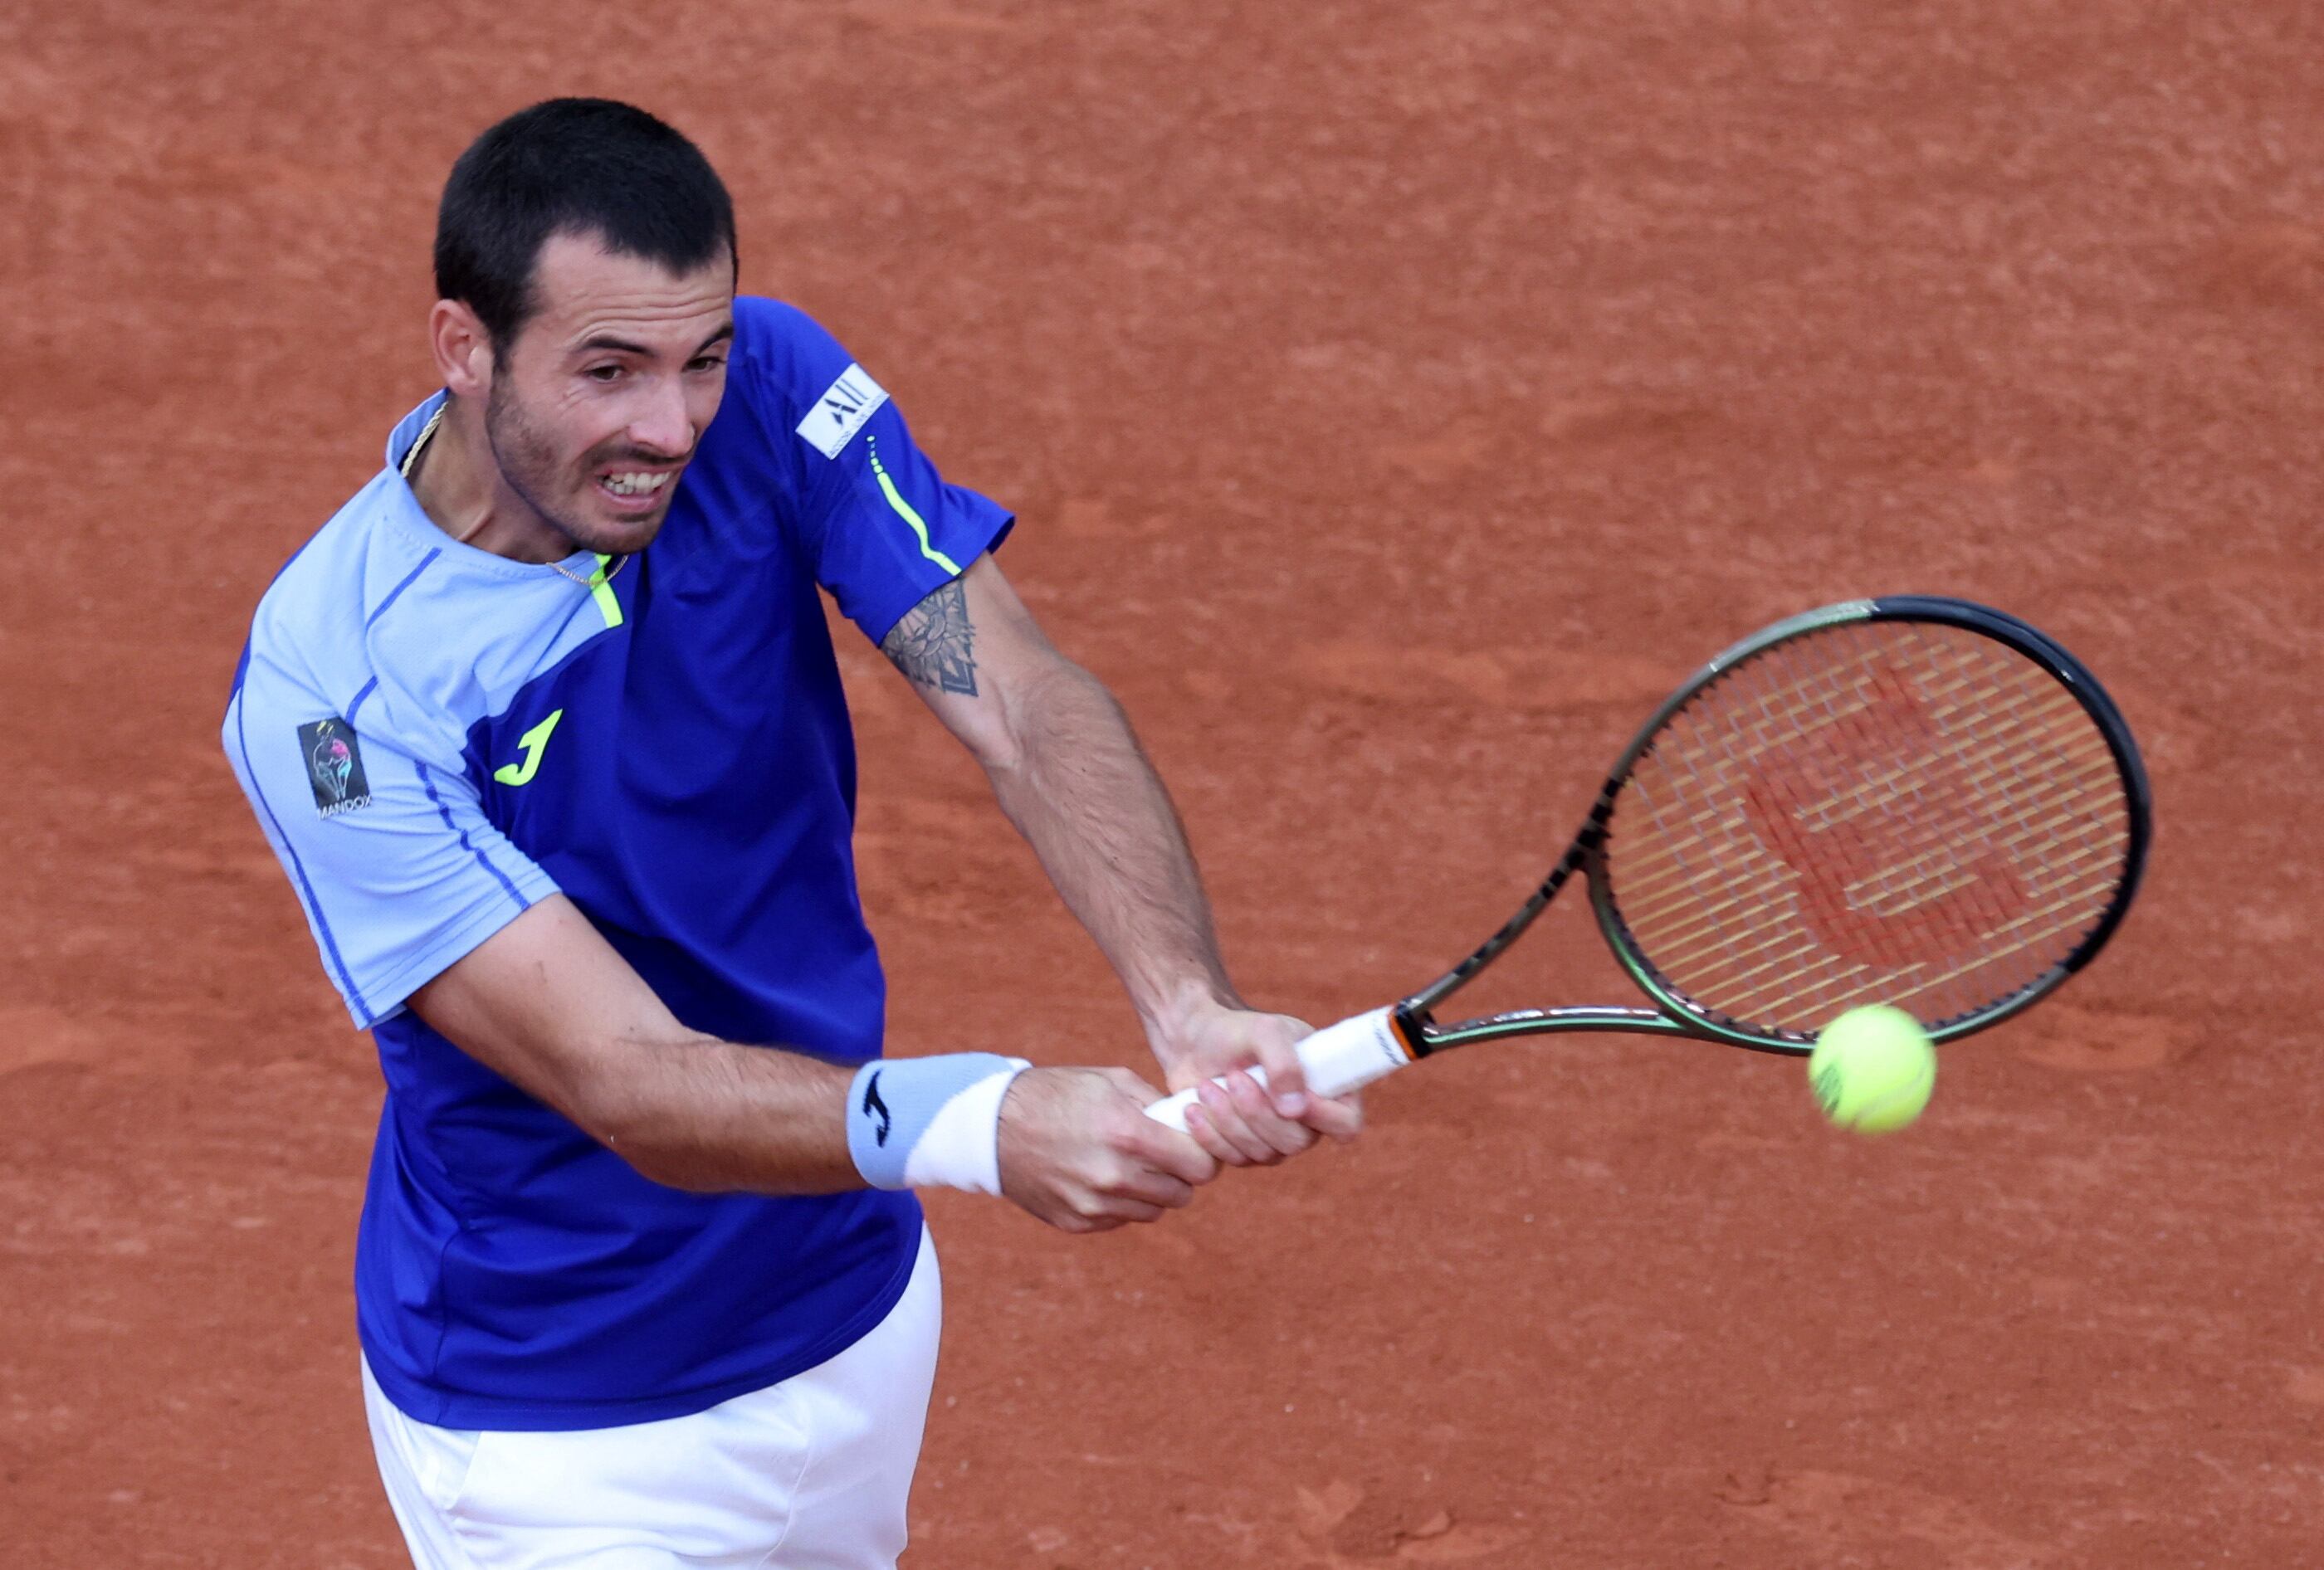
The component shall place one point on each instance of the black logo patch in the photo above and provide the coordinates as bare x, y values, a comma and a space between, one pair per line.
873, 1104
334, 767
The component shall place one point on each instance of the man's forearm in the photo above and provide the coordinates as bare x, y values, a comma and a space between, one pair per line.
1082, 791
707, 1114
712, 1116
546, 1003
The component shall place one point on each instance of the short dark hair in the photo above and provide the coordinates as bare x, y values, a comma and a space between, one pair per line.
572, 166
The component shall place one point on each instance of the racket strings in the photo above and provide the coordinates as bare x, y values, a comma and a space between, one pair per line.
1959, 914
2065, 810
1888, 812
1673, 871
1958, 909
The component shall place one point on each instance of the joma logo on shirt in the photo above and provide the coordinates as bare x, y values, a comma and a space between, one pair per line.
535, 742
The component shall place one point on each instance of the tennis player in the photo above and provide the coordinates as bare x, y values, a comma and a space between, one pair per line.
547, 730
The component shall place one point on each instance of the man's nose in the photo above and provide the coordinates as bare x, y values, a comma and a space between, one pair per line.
663, 425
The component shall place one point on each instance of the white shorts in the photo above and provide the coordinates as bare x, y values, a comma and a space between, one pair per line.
808, 1474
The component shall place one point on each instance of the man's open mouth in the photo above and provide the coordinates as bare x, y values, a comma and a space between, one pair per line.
635, 483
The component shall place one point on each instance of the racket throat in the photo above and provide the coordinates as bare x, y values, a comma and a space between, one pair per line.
1411, 1026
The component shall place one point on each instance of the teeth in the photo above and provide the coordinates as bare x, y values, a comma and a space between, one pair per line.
635, 484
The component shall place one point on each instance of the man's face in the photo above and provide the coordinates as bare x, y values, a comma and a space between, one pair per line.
595, 406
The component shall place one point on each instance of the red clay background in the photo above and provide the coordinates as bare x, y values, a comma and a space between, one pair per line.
1399, 397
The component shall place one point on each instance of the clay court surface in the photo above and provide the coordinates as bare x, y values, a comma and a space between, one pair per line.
1399, 397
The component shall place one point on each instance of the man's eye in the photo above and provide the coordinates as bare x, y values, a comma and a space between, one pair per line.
708, 363
603, 372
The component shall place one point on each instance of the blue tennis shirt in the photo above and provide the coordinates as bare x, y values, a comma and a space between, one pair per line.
435, 737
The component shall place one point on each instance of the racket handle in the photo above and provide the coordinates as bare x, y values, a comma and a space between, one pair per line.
1337, 1059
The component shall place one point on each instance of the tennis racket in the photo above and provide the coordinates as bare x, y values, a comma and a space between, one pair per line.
1911, 801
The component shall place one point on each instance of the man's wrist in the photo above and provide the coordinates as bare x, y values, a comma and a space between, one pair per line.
1173, 1014
930, 1122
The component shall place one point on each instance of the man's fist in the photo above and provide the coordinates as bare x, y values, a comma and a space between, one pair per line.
1078, 1150
1237, 1121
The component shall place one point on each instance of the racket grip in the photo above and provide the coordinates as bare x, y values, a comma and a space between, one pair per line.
1337, 1059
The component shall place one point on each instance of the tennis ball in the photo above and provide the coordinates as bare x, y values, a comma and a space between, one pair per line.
1873, 1069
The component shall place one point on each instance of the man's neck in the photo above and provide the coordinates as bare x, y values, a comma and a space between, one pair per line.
459, 485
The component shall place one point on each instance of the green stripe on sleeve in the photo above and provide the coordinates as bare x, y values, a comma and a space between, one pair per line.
904, 510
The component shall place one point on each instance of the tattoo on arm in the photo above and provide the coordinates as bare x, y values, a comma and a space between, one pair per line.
935, 643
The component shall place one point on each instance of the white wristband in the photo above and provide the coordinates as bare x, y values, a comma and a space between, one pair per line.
931, 1123
961, 1146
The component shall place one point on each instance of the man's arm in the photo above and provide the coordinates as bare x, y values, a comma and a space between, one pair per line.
548, 1003
1068, 771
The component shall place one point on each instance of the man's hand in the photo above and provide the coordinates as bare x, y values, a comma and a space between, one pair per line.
1078, 1150
1238, 1123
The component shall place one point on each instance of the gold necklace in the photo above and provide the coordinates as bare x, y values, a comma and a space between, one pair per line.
425, 431
595, 579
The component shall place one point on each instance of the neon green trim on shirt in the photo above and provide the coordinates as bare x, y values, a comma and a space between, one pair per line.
535, 742
601, 590
904, 510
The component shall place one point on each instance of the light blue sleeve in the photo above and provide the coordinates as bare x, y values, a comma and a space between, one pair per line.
381, 835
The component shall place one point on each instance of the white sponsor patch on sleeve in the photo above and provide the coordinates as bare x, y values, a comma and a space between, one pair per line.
841, 410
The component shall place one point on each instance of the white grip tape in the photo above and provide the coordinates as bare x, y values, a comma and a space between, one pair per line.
1337, 1059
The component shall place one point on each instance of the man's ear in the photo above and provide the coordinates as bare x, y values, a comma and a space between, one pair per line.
462, 348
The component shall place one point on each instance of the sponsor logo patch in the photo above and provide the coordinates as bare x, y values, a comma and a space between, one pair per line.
335, 767
841, 410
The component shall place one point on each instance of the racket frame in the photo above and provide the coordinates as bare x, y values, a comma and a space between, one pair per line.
1674, 1014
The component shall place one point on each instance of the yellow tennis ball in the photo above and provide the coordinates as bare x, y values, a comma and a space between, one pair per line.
1873, 1069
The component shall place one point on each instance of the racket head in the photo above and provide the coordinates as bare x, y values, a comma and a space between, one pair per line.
1914, 800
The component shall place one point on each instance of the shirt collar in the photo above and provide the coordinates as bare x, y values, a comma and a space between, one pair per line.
407, 429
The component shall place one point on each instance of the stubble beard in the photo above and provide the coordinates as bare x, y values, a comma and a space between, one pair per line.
528, 465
